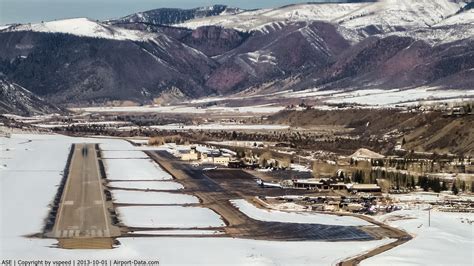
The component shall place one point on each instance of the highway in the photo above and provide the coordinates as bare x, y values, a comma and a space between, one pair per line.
82, 211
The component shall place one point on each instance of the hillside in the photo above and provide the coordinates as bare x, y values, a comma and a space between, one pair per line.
220, 51
15, 99
423, 131
88, 70
368, 18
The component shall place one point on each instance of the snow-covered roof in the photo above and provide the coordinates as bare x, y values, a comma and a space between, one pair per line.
365, 186
366, 154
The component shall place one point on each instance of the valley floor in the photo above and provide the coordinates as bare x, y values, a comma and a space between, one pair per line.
31, 168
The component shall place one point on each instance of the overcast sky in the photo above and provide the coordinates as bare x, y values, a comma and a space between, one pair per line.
23, 11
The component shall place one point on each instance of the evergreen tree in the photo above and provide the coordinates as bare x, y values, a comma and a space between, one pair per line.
436, 185
358, 176
444, 187
347, 180
341, 175
454, 188
424, 183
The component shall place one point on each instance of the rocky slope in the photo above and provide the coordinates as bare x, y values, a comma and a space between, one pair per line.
15, 99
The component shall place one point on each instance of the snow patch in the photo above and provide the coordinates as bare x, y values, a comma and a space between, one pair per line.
149, 197
169, 217
147, 185
134, 169
295, 217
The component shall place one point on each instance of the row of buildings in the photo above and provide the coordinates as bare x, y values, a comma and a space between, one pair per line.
204, 155
325, 184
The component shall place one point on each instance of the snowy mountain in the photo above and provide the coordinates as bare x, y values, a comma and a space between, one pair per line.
464, 16
82, 27
395, 15
217, 50
15, 99
382, 16
75, 69
257, 19
168, 16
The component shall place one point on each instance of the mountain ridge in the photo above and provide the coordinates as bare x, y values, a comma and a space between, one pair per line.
295, 47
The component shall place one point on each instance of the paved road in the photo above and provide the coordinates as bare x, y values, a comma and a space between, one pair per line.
82, 211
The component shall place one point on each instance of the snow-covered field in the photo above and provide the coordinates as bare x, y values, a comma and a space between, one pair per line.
134, 169
169, 216
423, 197
395, 96
220, 126
295, 217
28, 182
118, 145
448, 241
123, 154
32, 165
204, 251
369, 97
155, 185
68, 124
28, 177
148, 197
261, 109
32, 168
380, 97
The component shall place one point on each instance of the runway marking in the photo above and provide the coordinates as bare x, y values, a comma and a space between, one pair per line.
101, 192
83, 199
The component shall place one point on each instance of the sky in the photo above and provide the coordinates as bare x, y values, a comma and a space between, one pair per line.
24, 11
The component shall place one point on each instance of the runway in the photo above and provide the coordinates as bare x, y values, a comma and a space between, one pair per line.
83, 211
